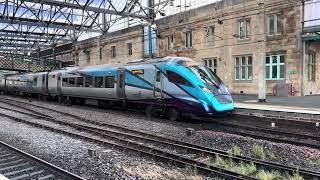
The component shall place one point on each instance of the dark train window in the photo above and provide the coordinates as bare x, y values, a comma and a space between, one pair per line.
121, 79
98, 82
177, 79
64, 81
79, 81
72, 82
109, 82
35, 81
88, 82
158, 76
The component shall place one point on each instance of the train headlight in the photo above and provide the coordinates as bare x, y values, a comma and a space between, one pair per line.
205, 89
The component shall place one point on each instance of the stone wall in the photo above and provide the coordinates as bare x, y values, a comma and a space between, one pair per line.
89, 50
227, 45
224, 16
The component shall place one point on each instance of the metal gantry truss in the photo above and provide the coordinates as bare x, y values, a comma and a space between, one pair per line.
30, 25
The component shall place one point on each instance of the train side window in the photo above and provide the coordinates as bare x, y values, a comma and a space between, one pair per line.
109, 82
158, 76
79, 81
64, 82
88, 82
72, 82
35, 81
177, 79
98, 82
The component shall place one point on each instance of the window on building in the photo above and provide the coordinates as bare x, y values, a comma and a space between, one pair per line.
87, 54
177, 79
109, 82
170, 42
79, 81
72, 82
244, 29
243, 68
211, 63
130, 49
88, 82
311, 66
275, 24
209, 36
113, 52
64, 82
188, 39
98, 82
275, 69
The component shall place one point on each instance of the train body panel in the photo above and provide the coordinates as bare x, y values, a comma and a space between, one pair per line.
2, 83
167, 82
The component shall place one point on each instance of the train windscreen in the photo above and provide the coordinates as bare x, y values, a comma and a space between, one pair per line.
206, 74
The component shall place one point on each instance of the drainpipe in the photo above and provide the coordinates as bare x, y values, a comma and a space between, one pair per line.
302, 50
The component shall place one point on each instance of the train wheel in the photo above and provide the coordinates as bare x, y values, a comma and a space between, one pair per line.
173, 114
149, 111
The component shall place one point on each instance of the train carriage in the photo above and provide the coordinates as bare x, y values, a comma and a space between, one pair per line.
173, 85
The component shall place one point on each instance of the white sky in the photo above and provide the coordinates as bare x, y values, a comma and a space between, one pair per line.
179, 6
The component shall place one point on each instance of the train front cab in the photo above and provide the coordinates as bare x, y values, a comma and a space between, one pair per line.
196, 90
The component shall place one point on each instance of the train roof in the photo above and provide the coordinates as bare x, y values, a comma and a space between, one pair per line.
174, 60
164, 60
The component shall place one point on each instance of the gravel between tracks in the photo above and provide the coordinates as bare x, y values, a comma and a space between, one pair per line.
72, 155
302, 157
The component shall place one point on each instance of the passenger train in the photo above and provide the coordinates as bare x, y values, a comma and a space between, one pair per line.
174, 86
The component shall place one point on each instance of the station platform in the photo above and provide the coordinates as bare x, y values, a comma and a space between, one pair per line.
304, 108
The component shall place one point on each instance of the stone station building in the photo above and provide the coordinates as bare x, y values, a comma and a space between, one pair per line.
226, 37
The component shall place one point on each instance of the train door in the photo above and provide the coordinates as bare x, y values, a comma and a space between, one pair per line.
121, 83
59, 79
157, 89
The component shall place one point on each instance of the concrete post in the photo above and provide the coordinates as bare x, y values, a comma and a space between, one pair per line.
262, 56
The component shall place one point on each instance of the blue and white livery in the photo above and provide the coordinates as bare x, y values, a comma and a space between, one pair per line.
174, 86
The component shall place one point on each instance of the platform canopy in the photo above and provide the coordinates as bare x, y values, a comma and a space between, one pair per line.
29, 25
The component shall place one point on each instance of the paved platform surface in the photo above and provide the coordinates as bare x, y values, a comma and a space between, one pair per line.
303, 104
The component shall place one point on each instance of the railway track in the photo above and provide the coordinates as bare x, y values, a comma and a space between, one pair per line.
178, 152
307, 140
16, 164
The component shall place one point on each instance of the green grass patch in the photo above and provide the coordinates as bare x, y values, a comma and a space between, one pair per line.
266, 175
258, 152
235, 151
272, 156
250, 169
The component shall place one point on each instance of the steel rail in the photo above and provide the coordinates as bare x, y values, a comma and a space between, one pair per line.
137, 147
186, 146
225, 124
31, 165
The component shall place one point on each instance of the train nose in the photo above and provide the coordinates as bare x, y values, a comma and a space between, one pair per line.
223, 103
